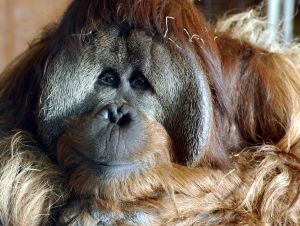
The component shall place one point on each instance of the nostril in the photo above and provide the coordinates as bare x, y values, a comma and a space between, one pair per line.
108, 113
120, 115
112, 117
124, 119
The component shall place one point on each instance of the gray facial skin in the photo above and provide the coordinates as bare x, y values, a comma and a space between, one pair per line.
110, 140
178, 95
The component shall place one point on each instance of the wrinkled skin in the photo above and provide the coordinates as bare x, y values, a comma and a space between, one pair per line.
177, 89
115, 79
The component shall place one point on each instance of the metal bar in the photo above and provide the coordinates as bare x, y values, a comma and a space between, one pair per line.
273, 17
288, 14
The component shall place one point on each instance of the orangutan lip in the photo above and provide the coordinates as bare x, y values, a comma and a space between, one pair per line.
109, 170
107, 164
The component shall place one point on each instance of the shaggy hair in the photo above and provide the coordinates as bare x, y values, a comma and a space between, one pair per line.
30, 184
263, 186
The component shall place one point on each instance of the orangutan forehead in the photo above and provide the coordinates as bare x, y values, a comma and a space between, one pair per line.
126, 43
113, 34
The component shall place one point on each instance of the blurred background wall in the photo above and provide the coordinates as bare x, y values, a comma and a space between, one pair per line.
22, 20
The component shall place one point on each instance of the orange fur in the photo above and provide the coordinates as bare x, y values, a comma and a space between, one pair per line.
256, 93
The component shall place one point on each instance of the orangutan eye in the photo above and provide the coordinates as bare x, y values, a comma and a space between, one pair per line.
109, 77
138, 81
